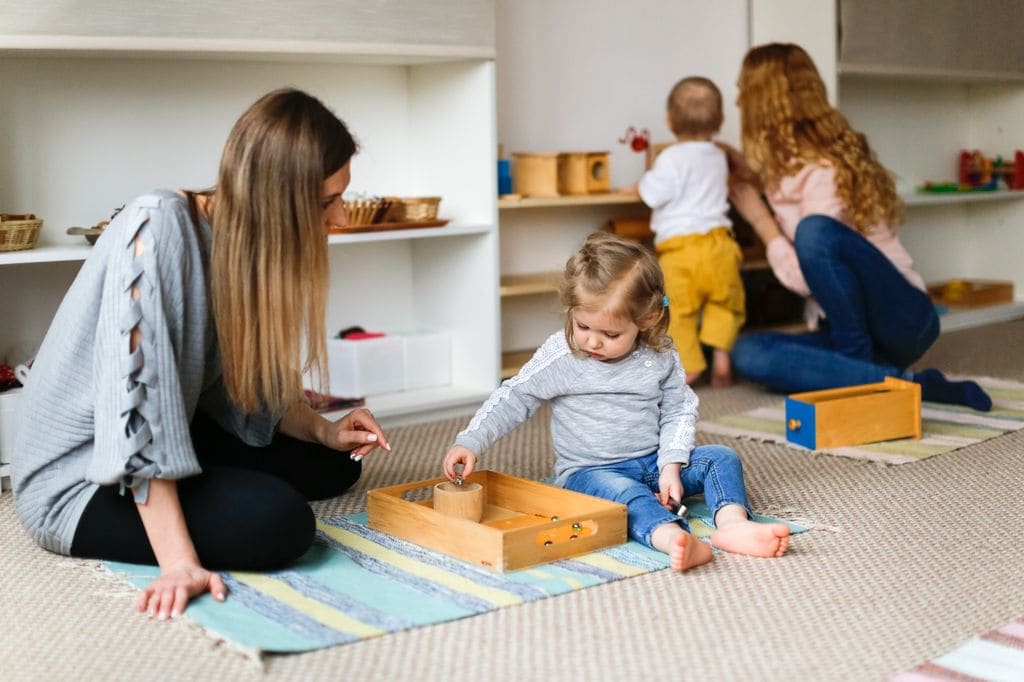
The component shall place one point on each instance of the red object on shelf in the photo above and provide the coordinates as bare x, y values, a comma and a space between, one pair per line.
359, 336
637, 140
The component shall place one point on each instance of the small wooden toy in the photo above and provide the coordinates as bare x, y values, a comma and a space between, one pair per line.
553, 174
524, 523
866, 413
460, 500
971, 292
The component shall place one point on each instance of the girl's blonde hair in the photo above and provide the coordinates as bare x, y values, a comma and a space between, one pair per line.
269, 255
787, 121
622, 276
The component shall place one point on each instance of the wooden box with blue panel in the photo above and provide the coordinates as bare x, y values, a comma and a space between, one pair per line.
854, 415
516, 523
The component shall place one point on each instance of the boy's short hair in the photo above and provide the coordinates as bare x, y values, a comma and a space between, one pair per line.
695, 107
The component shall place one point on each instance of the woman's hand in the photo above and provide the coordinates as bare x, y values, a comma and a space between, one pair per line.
670, 487
357, 432
739, 170
459, 455
168, 595
785, 265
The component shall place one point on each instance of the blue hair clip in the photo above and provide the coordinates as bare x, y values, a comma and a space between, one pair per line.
664, 301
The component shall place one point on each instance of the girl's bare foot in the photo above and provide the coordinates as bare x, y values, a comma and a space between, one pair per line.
755, 539
692, 378
684, 551
687, 551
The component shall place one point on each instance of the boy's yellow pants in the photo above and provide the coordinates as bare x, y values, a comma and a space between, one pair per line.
702, 280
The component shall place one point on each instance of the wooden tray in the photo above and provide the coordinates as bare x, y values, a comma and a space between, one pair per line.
379, 227
525, 523
971, 292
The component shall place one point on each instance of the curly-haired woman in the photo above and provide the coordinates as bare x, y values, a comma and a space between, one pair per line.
833, 243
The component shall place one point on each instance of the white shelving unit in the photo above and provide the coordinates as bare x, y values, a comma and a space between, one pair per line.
963, 235
94, 121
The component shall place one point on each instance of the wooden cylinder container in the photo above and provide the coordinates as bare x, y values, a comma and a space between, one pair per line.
464, 501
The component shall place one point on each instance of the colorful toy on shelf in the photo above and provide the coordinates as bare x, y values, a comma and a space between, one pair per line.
977, 171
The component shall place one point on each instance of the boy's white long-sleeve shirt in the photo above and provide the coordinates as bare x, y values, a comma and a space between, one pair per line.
601, 412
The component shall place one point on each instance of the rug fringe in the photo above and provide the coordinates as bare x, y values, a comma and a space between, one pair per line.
113, 584
792, 515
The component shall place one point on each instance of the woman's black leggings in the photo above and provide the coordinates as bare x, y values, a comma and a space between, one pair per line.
247, 510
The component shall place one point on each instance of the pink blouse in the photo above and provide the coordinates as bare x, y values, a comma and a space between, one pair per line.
813, 191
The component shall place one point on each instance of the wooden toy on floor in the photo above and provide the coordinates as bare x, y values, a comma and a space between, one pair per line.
523, 523
854, 415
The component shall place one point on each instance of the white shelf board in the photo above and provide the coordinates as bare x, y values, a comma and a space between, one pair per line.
415, 233
940, 198
878, 71
606, 199
968, 318
218, 48
46, 254
54, 254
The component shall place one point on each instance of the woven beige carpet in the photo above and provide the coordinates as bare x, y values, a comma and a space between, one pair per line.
906, 563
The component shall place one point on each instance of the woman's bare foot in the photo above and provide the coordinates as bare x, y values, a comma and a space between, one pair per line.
721, 368
754, 539
684, 551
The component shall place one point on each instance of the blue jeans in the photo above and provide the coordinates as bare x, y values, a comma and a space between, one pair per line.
877, 323
714, 470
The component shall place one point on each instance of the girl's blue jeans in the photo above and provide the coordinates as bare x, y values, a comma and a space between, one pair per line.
714, 470
877, 323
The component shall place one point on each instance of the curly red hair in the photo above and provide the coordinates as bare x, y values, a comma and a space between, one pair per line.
786, 121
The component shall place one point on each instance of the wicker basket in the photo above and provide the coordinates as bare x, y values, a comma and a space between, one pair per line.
18, 232
414, 209
366, 211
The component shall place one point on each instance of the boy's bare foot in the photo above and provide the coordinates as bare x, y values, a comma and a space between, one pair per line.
687, 551
684, 551
755, 539
721, 368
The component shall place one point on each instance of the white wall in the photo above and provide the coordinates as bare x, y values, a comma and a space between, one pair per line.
808, 23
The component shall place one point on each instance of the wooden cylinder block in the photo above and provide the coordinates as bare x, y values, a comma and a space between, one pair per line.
572, 173
599, 176
535, 174
464, 501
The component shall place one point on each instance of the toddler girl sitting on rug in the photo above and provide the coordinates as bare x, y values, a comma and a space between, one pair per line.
622, 416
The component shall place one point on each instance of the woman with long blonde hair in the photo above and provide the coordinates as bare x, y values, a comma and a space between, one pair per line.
164, 419
831, 240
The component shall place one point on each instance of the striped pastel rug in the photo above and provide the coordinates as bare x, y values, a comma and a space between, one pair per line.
944, 428
356, 583
995, 655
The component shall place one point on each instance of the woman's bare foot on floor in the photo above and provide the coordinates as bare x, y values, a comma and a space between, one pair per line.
754, 539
